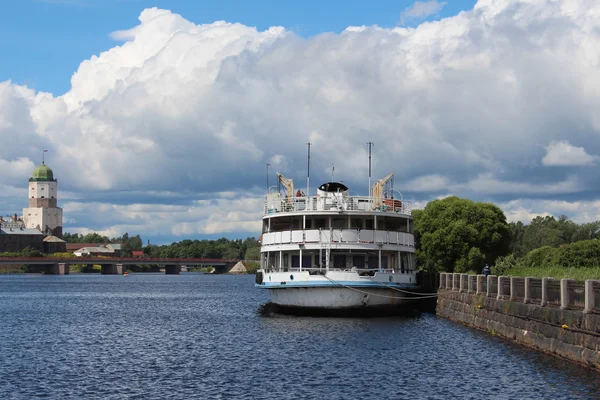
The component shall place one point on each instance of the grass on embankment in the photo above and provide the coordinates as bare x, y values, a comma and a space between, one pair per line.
579, 274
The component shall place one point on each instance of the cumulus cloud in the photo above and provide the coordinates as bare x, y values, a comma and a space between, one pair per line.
561, 153
178, 112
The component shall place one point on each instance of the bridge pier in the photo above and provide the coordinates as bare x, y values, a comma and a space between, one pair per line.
121, 269
57, 269
110, 269
172, 269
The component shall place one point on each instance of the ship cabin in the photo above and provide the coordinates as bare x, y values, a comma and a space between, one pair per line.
334, 230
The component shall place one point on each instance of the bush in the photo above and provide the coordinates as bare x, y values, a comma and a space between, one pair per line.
253, 266
505, 263
583, 254
63, 255
544, 256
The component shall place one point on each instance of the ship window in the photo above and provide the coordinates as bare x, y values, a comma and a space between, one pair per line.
337, 223
369, 224
319, 223
394, 224
356, 223
296, 224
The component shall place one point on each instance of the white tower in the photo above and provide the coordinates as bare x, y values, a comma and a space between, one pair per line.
43, 213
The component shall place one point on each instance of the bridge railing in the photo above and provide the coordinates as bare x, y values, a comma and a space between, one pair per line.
114, 260
548, 292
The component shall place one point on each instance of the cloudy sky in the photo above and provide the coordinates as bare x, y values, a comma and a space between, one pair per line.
163, 125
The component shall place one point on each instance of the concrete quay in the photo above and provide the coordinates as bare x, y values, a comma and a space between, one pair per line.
559, 317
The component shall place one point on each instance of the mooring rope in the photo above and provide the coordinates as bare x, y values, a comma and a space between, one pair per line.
375, 294
416, 294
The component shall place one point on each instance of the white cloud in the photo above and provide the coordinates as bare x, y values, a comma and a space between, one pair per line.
423, 9
525, 210
561, 153
429, 183
180, 111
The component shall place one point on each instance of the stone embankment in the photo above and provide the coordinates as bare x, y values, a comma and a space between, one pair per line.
559, 317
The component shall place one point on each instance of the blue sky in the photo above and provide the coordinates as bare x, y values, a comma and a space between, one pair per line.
42, 42
167, 132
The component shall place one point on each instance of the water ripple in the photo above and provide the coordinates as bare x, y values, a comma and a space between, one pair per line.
153, 336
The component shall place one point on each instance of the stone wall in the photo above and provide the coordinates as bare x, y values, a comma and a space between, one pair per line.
570, 334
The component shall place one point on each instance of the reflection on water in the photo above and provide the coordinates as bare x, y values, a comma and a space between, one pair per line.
154, 336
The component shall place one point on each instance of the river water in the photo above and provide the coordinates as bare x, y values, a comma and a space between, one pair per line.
194, 336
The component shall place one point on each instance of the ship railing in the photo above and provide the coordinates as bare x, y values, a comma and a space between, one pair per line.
340, 236
362, 271
349, 203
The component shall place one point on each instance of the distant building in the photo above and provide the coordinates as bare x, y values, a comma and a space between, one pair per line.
17, 239
53, 244
42, 218
94, 249
43, 213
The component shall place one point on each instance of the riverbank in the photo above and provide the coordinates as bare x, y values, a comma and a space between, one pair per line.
540, 317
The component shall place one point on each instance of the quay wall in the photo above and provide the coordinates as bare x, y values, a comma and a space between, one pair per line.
563, 331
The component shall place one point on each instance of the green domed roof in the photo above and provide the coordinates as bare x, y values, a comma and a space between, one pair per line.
42, 173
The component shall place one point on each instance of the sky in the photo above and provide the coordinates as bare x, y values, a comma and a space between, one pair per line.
159, 118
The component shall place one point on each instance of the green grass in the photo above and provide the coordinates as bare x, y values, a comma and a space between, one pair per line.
579, 274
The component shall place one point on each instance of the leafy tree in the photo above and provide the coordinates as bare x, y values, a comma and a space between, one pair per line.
455, 234
252, 253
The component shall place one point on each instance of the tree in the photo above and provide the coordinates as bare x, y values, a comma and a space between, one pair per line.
455, 234
252, 253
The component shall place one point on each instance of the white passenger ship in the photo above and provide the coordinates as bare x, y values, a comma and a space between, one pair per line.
337, 253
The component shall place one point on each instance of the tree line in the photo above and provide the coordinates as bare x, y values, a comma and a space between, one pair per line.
128, 244
451, 234
247, 249
460, 235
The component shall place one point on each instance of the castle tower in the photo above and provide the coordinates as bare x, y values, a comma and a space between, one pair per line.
43, 213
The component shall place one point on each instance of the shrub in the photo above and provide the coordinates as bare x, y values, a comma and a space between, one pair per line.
544, 256
583, 254
505, 263
253, 266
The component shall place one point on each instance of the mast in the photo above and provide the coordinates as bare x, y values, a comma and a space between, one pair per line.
268, 178
369, 144
308, 170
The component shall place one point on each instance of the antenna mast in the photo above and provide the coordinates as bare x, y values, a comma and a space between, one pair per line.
308, 170
370, 144
268, 178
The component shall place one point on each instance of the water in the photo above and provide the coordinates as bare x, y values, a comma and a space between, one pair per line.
154, 336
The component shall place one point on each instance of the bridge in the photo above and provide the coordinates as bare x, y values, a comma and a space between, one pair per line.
118, 265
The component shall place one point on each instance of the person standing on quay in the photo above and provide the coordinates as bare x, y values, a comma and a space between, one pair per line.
486, 271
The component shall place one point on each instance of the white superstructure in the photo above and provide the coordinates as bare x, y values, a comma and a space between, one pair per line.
336, 251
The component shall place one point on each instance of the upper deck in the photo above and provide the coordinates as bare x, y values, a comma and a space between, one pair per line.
276, 203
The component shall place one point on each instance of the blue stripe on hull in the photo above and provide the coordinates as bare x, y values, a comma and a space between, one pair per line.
337, 284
